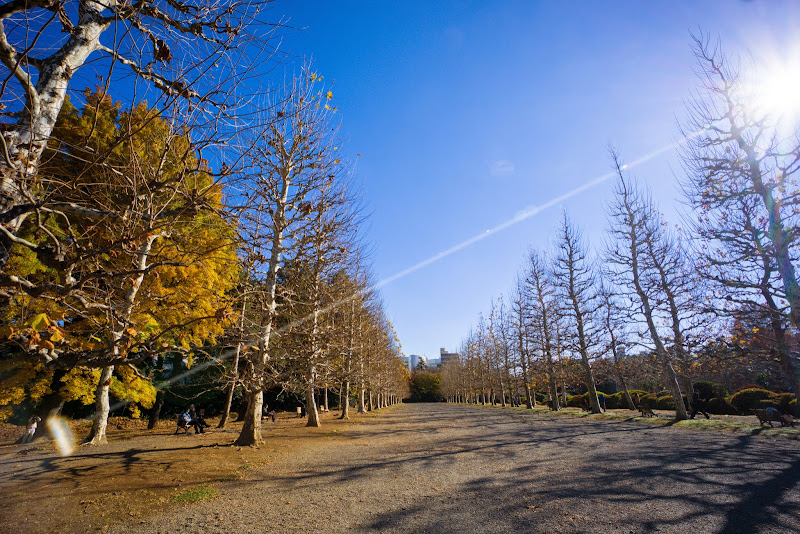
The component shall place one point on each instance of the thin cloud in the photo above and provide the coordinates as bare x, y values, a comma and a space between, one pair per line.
502, 167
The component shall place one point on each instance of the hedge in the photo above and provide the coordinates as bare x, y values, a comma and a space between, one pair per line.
749, 399
720, 406
665, 402
709, 389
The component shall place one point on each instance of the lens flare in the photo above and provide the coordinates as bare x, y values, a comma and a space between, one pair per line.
62, 435
773, 89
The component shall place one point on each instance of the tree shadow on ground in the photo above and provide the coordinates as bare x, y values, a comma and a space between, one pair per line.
524, 472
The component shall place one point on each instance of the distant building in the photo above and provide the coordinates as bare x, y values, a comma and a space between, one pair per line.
432, 363
415, 359
406, 361
447, 356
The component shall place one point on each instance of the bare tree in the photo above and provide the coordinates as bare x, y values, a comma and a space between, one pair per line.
540, 293
574, 278
742, 184
520, 331
286, 170
328, 237
499, 346
637, 255
614, 321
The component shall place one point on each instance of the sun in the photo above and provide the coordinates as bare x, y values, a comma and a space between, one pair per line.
774, 90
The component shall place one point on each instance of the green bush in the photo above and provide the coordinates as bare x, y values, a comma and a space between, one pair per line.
709, 389
783, 401
793, 408
616, 401
576, 401
665, 402
748, 386
540, 397
749, 399
719, 406
425, 387
767, 403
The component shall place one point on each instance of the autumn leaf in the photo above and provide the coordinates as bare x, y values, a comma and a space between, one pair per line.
6, 331
56, 334
38, 322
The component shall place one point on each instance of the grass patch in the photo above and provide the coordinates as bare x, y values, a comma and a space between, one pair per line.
718, 425
204, 492
740, 427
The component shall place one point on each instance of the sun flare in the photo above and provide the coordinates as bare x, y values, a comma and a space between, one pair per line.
775, 90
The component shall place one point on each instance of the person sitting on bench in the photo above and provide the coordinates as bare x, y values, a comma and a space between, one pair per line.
196, 420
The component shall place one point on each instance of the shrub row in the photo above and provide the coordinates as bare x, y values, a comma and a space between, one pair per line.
740, 403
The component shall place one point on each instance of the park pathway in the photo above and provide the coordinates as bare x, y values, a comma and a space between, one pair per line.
453, 468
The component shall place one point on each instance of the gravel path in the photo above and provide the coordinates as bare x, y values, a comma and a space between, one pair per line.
452, 468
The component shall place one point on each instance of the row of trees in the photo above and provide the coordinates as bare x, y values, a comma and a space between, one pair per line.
214, 225
715, 299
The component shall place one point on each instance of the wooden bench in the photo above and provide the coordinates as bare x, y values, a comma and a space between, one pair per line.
767, 415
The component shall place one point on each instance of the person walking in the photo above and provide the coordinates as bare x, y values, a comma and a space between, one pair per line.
698, 405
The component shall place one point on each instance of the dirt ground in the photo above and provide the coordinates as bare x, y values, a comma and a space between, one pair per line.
138, 472
141, 475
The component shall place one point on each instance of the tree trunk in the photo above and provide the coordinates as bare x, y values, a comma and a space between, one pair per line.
624, 385
362, 408
661, 351
346, 400
223, 421
155, 411
311, 402
226, 413
251, 430
554, 404
101, 408
551, 372
587, 368
789, 366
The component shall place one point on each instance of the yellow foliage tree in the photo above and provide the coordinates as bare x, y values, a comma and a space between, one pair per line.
134, 260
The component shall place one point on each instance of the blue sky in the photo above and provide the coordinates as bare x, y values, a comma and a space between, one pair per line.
468, 112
